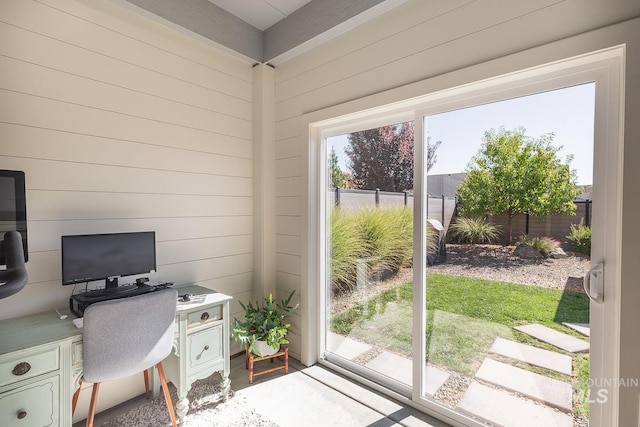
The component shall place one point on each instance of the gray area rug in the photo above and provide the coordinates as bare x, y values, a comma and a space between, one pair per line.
206, 409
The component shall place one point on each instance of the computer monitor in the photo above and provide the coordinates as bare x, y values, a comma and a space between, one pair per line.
91, 257
13, 209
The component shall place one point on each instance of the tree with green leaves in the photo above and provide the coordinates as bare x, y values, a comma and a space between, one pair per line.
337, 176
516, 174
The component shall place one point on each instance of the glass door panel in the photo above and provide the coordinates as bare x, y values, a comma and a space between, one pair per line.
503, 286
369, 233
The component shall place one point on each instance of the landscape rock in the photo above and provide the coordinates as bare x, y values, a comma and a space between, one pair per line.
558, 253
525, 251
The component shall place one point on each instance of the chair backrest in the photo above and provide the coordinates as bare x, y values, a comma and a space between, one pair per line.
122, 337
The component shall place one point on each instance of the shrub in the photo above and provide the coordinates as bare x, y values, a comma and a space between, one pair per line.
387, 234
383, 235
474, 230
580, 238
544, 245
346, 249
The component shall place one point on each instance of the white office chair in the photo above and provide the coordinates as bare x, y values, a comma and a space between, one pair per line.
125, 336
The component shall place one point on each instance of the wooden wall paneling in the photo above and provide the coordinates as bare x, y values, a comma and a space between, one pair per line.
45, 235
174, 251
117, 19
60, 175
34, 111
30, 142
57, 56
288, 186
22, 77
288, 263
288, 206
95, 37
288, 167
288, 225
199, 270
289, 245
65, 205
287, 129
397, 20
407, 42
288, 147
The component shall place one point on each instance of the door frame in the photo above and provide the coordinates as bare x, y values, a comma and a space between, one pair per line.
606, 68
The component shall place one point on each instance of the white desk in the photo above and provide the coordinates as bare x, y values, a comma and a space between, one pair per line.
41, 360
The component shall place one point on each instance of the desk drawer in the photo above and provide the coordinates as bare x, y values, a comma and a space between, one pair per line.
32, 405
28, 365
205, 346
204, 316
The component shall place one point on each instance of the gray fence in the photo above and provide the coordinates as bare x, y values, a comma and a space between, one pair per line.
441, 208
555, 226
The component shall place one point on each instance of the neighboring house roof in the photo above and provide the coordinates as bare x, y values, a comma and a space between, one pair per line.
447, 184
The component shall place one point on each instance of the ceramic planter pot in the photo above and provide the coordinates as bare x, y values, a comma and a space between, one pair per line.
264, 349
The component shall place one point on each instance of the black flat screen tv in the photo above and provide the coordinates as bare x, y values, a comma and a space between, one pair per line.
13, 209
91, 257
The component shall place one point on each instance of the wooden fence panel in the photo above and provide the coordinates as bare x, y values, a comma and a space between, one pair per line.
557, 227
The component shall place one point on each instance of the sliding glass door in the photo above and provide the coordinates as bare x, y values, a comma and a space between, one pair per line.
453, 245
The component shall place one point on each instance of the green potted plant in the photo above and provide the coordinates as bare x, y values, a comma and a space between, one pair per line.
263, 329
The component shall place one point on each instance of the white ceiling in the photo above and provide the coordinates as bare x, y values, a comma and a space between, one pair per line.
261, 14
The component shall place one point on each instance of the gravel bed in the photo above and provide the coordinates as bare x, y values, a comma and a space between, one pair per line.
498, 263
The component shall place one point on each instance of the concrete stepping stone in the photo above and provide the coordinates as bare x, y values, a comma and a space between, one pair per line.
582, 328
535, 386
346, 347
499, 407
401, 369
553, 337
532, 355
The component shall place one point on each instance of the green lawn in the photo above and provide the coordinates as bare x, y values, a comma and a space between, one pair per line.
464, 316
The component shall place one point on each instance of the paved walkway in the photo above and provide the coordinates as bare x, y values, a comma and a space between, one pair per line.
548, 402
532, 355
502, 394
553, 337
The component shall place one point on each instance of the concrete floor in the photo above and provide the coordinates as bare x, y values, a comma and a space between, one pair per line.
314, 396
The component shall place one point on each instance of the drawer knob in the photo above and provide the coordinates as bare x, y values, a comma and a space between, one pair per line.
21, 368
204, 316
206, 347
22, 414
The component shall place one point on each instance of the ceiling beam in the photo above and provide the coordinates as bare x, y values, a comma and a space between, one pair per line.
313, 24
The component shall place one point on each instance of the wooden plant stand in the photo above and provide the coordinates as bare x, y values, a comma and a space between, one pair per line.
282, 355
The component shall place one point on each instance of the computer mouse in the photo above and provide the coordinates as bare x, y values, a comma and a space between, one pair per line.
186, 297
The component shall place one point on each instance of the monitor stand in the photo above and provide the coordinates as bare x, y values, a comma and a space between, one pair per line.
110, 284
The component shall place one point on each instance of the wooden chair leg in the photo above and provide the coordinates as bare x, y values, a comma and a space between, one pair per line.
74, 401
167, 395
146, 381
92, 406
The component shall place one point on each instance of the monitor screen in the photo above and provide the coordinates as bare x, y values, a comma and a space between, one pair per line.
13, 209
90, 257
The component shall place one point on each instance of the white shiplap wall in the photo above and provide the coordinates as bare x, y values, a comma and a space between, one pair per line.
121, 125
